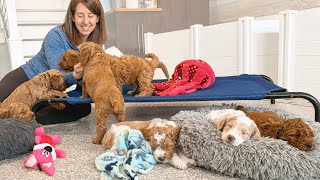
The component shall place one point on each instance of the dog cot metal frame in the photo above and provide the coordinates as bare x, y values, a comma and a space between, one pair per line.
272, 96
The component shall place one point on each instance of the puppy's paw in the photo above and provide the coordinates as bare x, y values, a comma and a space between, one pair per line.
131, 92
192, 162
62, 94
120, 117
181, 165
178, 162
58, 106
84, 96
96, 140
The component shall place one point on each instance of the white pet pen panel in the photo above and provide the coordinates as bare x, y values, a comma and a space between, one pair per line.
307, 52
171, 48
218, 45
264, 48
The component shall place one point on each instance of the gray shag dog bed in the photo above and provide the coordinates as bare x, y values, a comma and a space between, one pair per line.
263, 158
16, 137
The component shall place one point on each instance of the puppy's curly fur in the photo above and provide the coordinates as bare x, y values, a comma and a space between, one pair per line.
99, 83
135, 71
295, 131
17, 110
162, 136
127, 70
48, 84
69, 59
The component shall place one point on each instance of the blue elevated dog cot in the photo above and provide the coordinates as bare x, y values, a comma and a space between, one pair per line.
228, 88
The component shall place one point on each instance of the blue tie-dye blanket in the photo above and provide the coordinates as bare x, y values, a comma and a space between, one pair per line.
131, 155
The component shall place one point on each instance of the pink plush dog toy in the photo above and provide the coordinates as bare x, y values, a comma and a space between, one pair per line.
44, 152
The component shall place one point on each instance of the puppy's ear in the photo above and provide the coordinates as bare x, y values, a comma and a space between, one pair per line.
217, 120
220, 122
255, 132
107, 140
241, 108
84, 54
42, 78
4, 113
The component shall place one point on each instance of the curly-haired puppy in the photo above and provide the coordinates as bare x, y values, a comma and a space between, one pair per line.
162, 135
295, 131
17, 110
135, 71
127, 70
99, 83
235, 126
45, 85
69, 59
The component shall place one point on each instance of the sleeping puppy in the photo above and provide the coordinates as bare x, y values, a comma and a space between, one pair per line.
17, 110
235, 126
99, 83
162, 135
295, 131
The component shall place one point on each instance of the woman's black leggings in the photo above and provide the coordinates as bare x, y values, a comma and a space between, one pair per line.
11, 81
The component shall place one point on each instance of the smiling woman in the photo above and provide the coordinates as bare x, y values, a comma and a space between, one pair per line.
84, 21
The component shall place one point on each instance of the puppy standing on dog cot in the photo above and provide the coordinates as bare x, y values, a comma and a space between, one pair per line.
127, 70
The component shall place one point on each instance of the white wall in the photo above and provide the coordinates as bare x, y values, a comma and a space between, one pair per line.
42, 4
4, 60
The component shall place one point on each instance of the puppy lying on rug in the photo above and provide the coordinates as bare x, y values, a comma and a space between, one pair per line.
130, 155
127, 70
99, 83
235, 126
17, 110
48, 84
261, 158
162, 136
295, 131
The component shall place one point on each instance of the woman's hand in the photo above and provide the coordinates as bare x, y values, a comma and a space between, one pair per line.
78, 71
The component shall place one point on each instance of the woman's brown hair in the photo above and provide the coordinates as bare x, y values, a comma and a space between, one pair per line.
98, 35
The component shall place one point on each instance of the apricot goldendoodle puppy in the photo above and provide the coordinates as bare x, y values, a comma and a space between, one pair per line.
48, 84
127, 70
135, 71
98, 82
69, 59
17, 110
295, 131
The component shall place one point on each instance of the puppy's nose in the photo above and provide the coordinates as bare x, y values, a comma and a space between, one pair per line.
309, 146
230, 138
161, 158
